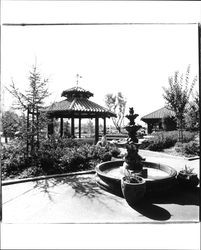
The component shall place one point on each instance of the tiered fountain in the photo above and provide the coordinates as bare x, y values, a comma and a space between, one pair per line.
148, 177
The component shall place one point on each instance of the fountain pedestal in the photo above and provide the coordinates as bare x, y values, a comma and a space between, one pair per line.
133, 161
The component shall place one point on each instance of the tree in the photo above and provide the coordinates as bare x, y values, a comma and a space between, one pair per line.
10, 124
90, 127
192, 115
169, 123
66, 129
117, 104
32, 102
177, 96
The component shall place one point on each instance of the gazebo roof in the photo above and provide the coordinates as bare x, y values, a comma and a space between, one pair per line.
77, 104
158, 114
76, 92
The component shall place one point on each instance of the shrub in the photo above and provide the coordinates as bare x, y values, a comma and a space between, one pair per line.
55, 155
58, 142
73, 161
189, 149
163, 140
189, 136
115, 151
13, 158
106, 156
160, 141
156, 146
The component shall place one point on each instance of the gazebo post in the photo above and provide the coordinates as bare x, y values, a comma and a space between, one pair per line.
61, 126
104, 125
96, 130
72, 127
79, 127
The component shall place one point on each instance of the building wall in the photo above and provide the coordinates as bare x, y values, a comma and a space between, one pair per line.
160, 124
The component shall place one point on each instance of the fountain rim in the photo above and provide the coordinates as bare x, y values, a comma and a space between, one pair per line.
172, 175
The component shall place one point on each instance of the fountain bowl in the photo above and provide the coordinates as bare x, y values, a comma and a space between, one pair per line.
165, 180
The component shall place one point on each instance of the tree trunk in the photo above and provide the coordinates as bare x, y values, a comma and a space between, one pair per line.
32, 136
180, 130
119, 129
37, 127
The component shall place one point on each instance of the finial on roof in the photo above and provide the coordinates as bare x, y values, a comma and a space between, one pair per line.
78, 76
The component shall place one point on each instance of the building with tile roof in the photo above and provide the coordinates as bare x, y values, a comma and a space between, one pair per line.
155, 120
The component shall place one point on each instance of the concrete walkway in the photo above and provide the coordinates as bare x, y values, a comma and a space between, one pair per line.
78, 199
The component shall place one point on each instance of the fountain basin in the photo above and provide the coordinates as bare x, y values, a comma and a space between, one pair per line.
160, 177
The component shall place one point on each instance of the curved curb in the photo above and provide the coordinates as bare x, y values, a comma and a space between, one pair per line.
9, 182
171, 156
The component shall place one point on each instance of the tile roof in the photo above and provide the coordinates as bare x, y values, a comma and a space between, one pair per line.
78, 104
76, 92
158, 114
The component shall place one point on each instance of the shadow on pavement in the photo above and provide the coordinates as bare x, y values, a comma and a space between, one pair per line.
147, 208
151, 210
178, 195
83, 186
86, 186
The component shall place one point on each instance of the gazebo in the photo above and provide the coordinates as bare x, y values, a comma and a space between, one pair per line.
77, 106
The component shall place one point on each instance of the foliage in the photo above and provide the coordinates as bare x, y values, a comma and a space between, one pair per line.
192, 115
131, 177
189, 149
32, 101
117, 104
55, 155
187, 170
163, 140
35, 94
169, 123
115, 151
177, 96
160, 141
90, 127
66, 129
10, 124
13, 158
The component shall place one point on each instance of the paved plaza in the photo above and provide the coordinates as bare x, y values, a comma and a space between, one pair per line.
78, 199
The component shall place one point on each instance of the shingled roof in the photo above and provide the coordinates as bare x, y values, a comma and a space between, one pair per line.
77, 103
158, 114
76, 92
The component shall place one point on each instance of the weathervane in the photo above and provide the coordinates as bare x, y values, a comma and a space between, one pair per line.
78, 76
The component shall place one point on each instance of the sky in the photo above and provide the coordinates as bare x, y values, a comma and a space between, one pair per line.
133, 59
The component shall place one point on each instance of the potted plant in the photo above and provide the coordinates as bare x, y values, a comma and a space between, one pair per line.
187, 177
133, 187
